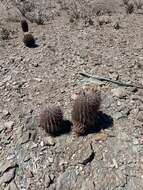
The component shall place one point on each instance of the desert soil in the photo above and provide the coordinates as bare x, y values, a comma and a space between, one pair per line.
30, 78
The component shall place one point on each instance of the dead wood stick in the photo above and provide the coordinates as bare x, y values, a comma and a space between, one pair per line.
110, 80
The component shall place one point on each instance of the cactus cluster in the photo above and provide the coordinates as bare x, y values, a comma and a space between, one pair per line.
28, 38
24, 25
50, 119
84, 113
85, 108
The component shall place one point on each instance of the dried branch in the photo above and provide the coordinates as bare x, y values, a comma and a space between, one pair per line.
110, 80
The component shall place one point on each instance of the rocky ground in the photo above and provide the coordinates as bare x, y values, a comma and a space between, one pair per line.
92, 42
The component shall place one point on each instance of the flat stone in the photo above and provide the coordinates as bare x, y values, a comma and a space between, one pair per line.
135, 141
8, 176
25, 138
80, 153
117, 115
140, 116
9, 124
67, 180
7, 165
47, 180
12, 186
119, 92
101, 137
49, 141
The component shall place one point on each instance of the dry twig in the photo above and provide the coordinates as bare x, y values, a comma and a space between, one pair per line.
110, 80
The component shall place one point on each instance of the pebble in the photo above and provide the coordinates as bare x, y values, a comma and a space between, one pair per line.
38, 79
35, 64
51, 160
5, 113
117, 26
49, 141
101, 137
42, 143
135, 141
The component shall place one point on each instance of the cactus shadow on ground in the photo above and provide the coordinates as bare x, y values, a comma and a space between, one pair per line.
103, 121
32, 46
66, 128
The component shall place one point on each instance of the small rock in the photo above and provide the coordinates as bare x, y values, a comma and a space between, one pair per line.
114, 163
141, 140
29, 174
42, 143
63, 164
7, 165
51, 159
5, 113
25, 138
140, 92
119, 103
8, 176
103, 20
117, 26
11, 156
35, 64
67, 180
13, 186
47, 181
101, 137
9, 124
117, 115
49, 141
38, 79
135, 141
119, 92
81, 153
140, 116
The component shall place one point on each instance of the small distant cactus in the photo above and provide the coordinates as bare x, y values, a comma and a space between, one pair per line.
24, 25
85, 108
28, 39
50, 119
117, 26
130, 8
